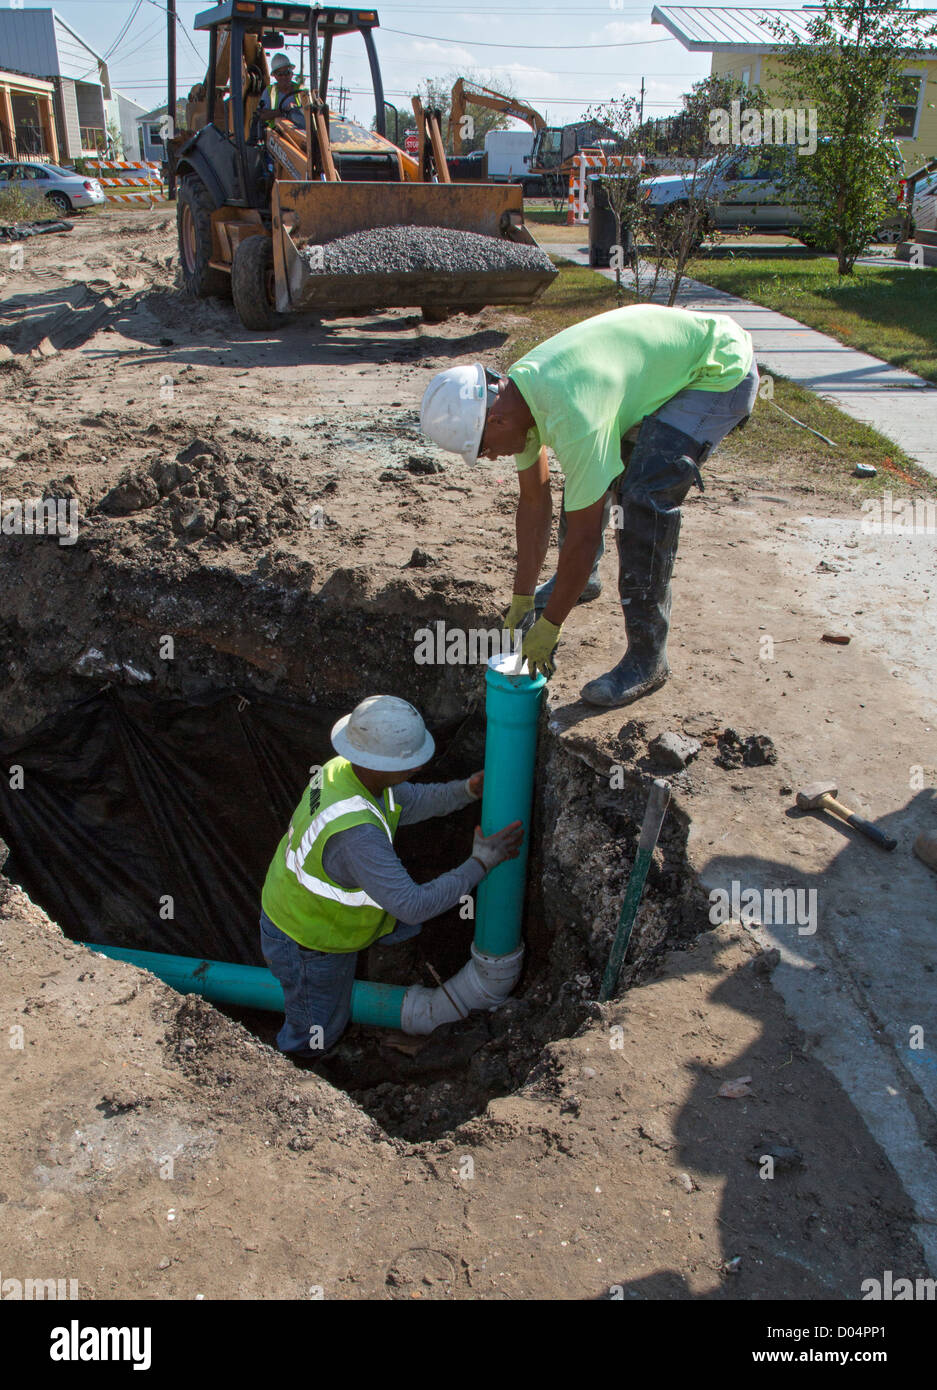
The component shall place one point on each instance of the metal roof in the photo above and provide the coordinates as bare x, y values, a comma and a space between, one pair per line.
727, 29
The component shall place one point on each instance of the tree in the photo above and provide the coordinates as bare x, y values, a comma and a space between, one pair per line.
115, 140
671, 233
697, 140
849, 68
621, 180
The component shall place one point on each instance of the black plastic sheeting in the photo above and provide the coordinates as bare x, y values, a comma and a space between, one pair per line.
19, 231
127, 801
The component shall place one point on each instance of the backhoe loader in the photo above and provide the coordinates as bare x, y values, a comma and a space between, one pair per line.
260, 199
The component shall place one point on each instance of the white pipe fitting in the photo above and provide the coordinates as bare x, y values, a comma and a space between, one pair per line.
484, 982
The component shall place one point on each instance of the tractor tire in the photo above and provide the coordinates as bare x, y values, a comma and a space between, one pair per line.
194, 208
252, 283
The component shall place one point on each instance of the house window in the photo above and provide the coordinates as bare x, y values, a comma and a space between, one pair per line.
906, 99
156, 137
746, 77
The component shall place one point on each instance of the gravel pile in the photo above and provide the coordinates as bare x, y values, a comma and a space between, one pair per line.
392, 249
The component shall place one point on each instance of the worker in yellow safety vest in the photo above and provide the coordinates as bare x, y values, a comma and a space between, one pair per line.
282, 97
336, 886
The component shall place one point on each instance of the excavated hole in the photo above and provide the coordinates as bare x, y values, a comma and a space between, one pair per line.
181, 786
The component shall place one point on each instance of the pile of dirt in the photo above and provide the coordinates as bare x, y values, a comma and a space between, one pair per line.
201, 492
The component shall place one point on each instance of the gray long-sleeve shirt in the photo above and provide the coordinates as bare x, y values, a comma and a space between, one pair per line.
363, 857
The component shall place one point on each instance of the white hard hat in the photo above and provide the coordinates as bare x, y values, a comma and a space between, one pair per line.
279, 61
384, 734
453, 410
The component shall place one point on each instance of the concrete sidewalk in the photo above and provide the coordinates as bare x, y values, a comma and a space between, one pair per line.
898, 404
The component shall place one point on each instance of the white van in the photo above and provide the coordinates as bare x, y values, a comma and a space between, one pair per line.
508, 152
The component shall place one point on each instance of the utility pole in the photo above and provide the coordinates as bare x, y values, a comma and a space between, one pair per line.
641, 107
171, 89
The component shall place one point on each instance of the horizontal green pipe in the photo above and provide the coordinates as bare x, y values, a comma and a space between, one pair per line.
377, 1006
252, 986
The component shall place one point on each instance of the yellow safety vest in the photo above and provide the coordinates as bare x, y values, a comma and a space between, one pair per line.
298, 896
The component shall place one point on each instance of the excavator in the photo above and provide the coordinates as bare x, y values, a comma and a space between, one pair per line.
259, 198
555, 150
472, 93
554, 147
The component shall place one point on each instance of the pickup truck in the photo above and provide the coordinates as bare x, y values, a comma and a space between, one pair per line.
747, 192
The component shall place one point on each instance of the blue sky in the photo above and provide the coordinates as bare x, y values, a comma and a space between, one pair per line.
559, 80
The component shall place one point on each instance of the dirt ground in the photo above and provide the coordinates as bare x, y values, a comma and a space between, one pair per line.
156, 1148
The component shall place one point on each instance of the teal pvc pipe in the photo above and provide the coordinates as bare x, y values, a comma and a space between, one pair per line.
252, 986
512, 708
377, 1006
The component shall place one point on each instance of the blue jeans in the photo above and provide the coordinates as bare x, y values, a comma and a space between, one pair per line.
316, 987
708, 416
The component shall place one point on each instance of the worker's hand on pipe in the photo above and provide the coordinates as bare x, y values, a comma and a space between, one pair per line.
475, 784
521, 605
492, 850
539, 646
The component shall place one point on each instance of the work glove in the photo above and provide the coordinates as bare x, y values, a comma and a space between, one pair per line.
539, 646
492, 850
521, 606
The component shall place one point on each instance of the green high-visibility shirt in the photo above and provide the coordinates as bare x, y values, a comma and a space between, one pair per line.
587, 386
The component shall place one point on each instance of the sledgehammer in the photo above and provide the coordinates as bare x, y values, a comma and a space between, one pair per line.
821, 796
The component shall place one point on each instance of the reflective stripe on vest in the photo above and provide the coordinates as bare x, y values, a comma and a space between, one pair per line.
299, 895
296, 858
275, 106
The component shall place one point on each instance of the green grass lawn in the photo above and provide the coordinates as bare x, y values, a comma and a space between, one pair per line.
772, 451
888, 311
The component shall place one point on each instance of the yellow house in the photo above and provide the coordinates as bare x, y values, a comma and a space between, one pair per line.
741, 43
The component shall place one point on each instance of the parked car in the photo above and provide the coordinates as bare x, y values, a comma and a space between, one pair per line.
748, 192
63, 188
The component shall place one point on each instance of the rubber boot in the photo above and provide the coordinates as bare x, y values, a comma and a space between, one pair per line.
593, 586
662, 470
643, 668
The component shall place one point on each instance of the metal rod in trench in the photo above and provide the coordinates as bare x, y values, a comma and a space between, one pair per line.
657, 804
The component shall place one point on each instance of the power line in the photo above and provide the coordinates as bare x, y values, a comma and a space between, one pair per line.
523, 47
124, 30
151, 33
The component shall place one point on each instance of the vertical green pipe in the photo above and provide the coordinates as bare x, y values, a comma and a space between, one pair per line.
252, 986
512, 708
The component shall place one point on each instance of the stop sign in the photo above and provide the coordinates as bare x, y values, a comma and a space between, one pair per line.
411, 142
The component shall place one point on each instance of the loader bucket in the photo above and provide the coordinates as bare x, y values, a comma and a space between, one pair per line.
307, 216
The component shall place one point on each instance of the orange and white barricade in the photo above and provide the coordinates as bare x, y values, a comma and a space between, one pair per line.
124, 181
577, 210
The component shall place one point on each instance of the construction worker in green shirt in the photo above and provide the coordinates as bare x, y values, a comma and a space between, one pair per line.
631, 402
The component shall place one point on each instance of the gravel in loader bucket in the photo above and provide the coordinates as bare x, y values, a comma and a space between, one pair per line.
399, 249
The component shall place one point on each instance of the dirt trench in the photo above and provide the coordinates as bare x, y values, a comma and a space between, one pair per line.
156, 689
